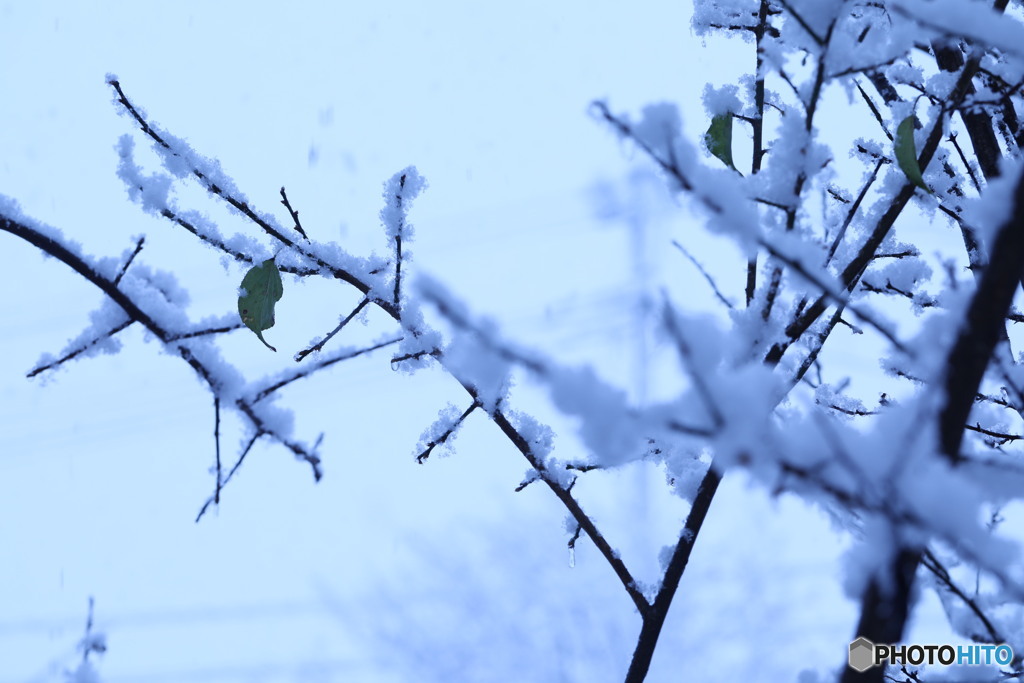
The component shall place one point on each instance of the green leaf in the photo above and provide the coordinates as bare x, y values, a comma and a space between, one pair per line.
719, 138
263, 288
906, 154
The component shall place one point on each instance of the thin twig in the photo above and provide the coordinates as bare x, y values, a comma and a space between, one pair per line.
398, 244
443, 438
238, 463
932, 564
874, 110
79, 350
531, 476
695, 371
308, 370
963, 160
294, 214
320, 344
124, 268
707, 277
216, 441
851, 212
206, 332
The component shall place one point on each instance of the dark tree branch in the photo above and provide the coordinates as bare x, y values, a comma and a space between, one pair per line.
654, 619
983, 327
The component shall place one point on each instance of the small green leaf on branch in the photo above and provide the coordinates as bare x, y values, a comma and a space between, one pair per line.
719, 138
906, 153
262, 289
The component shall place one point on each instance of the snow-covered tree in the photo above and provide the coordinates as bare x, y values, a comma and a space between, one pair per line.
867, 171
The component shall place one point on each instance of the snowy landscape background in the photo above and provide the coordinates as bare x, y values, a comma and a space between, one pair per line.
385, 570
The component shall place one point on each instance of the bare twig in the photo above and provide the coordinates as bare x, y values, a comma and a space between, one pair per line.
443, 438
307, 370
74, 353
320, 344
124, 268
932, 564
707, 277
216, 441
238, 463
294, 215
398, 245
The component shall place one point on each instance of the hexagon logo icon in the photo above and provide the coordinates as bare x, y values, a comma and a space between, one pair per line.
862, 654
